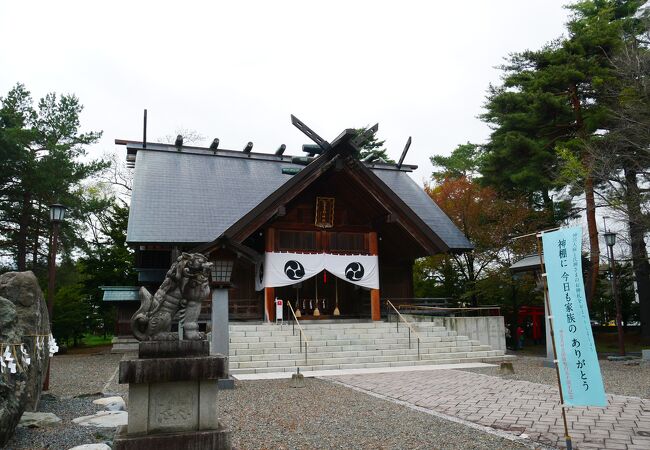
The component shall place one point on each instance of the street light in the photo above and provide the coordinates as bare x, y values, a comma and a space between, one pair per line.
222, 271
610, 240
57, 214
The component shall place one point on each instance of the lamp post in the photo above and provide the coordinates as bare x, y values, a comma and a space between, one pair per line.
610, 240
57, 214
221, 281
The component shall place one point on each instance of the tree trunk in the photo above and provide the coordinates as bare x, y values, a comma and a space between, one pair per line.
594, 248
640, 263
23, 230
471, 278
549, 208
515, 314
36, 243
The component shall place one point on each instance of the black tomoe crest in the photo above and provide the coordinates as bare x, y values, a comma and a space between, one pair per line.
294, 270
261, 274
354, 271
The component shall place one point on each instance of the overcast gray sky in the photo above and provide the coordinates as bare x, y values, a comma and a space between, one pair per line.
236, 70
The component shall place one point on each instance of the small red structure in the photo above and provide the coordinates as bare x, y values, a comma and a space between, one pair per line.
533, 315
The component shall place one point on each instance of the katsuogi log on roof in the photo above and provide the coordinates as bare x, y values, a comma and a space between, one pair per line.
195, 195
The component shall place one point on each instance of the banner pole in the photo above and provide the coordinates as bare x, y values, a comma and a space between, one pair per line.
567, 436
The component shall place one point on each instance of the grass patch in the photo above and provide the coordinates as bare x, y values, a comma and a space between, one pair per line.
608, 342
91, 340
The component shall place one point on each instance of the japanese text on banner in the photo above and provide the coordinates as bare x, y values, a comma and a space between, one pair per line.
580, 377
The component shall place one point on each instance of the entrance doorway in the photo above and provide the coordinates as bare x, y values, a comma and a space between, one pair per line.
320, 296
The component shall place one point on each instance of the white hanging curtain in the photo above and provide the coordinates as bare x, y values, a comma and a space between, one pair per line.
259, 275
356, 269
283, 269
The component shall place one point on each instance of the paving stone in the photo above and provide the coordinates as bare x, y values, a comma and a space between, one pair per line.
615, 445
519, 406
591, 445
620, 436
641, 441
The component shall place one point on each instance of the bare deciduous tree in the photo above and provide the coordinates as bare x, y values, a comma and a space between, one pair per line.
189, 136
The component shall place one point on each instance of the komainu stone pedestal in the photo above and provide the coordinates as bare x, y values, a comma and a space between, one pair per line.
172, 398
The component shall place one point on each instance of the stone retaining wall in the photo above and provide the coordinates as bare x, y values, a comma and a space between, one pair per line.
490, 330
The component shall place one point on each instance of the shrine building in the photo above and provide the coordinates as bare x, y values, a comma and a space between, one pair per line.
329, 233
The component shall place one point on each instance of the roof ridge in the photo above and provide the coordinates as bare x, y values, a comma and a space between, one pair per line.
135, 146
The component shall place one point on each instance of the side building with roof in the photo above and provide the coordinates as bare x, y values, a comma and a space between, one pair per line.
331, 234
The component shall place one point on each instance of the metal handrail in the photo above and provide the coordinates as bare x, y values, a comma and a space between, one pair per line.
451, 310
303, 335
473, 308
408, 325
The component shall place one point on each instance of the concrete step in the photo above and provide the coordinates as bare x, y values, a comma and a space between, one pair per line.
322, 352
259, 348
334, 334
284, 347
343, 345
309, 367
349, 339
306, 325
331, 332
309, 325
334, 358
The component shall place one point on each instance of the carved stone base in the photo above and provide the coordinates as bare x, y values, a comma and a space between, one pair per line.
172, 406
173, 397
196, 440
173, 349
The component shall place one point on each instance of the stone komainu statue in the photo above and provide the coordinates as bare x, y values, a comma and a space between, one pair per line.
186, 285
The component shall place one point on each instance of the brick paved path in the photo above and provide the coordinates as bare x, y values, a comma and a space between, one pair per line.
516, 406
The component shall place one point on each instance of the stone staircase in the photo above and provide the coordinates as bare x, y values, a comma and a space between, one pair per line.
264, 348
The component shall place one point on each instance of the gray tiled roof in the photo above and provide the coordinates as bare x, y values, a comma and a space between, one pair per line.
420, 202
528, 263
120, 293
194, 198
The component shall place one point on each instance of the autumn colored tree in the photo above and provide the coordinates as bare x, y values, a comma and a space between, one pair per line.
488, 221
552, 106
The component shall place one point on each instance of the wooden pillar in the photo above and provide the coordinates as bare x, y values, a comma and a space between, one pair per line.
375, 304
269, 292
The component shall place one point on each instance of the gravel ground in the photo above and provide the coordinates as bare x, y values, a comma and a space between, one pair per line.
66, 434
619, 378
261, 414
271, 414
73, 375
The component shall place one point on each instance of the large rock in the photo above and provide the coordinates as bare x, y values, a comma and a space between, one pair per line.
23, 312
91, 447
111, 403
105, 419
38, 419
